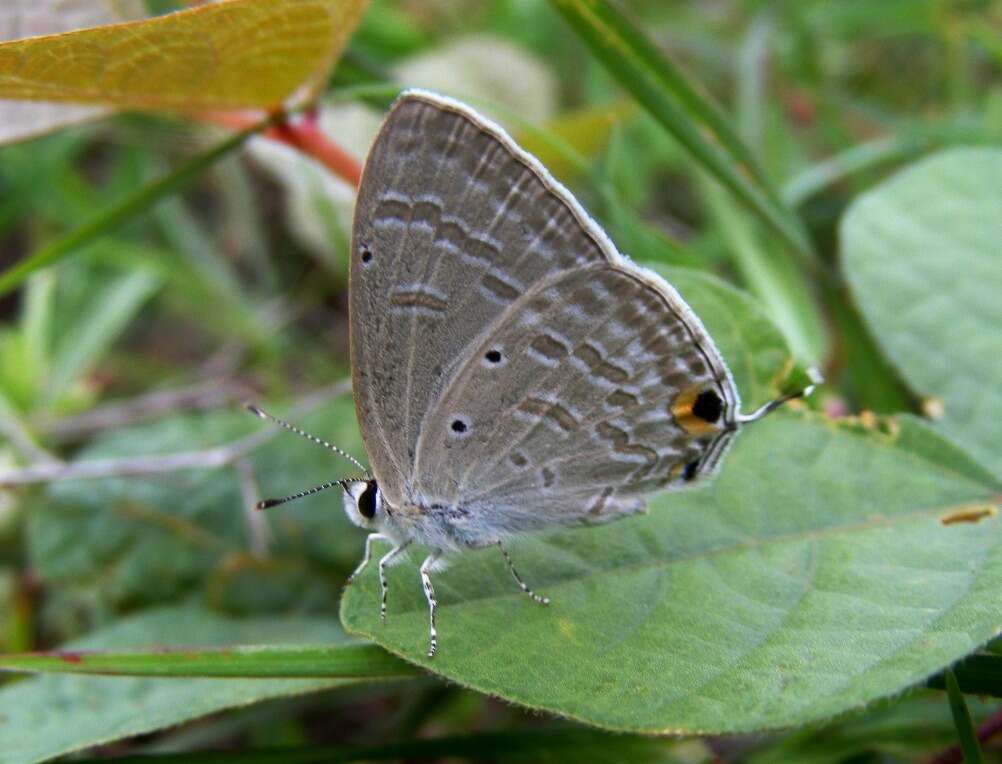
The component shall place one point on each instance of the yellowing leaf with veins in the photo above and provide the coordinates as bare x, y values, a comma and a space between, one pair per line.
231, 54
29, 18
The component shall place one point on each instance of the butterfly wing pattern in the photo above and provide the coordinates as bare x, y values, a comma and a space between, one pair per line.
512, 370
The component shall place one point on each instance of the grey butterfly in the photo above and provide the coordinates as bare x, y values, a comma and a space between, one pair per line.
511, 370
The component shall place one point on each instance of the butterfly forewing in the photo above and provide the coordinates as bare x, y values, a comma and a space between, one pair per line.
440, 250
506, 359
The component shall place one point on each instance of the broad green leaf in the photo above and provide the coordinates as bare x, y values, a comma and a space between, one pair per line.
682, 109
126, 541
923, 256
228, 55
815, 574
48, 716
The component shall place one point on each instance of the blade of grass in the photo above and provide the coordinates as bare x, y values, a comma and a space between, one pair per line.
560, 744
36, 326
978, 674
661, 87
108, 314
962, 719
750, 76
334, 661
880, 152
125, 210
773, 278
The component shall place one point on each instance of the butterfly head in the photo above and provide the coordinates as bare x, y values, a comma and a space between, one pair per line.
363, 503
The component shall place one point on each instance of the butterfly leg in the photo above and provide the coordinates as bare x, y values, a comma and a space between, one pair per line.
429, 594
384, 562
518, 578
368, 553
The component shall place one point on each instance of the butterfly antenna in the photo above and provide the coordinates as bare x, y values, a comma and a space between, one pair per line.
269, 503
319, 441
816, 379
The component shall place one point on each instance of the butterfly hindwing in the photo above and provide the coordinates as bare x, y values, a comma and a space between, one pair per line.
576, 404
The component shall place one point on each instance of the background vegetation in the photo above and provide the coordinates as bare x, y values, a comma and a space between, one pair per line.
821, 180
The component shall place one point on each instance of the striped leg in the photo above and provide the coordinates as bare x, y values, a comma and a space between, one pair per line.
429, 594
384, 561
518, 578
368, 553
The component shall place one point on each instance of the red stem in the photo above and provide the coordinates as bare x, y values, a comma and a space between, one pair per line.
303, 135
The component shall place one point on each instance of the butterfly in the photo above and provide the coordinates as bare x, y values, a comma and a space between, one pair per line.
511, 370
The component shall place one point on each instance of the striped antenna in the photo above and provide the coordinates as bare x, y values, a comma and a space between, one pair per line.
816, 379
269, 503
319, 441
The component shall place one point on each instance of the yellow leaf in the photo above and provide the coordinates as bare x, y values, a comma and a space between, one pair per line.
587, 131
29, 18
232, 54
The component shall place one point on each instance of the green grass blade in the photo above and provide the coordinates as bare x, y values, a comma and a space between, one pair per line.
118, 214
662, 88
978, 674
773, 277
559, 744
108, 314
962, 719
326, 661
882, 152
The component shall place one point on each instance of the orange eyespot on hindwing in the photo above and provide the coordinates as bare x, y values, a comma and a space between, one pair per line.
698, 411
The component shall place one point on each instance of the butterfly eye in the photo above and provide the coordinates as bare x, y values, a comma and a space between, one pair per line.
366, 255
367, 500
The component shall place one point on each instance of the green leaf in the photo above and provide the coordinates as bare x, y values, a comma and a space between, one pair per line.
125, 210
53, 715
240, 661
695, 121
921, 254
814, 575
962, 719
